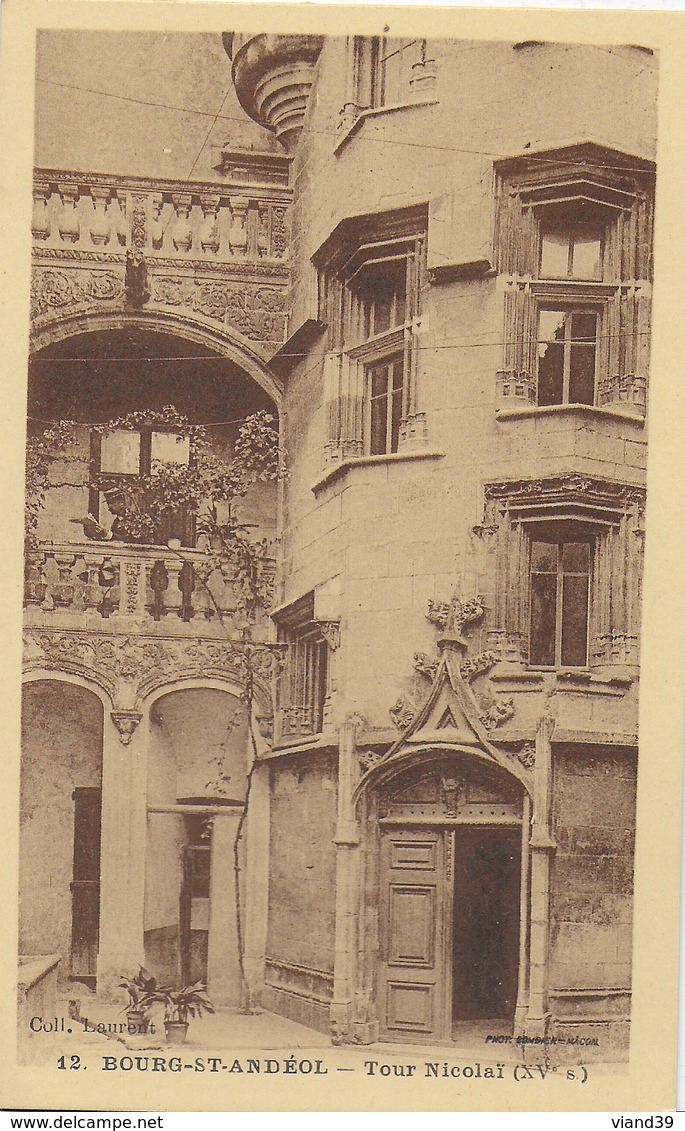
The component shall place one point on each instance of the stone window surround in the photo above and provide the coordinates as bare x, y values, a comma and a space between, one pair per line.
615, 512
354, 243
296, 722
359, 103
616, 190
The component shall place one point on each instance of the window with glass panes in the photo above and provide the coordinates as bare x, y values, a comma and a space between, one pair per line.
567, 356
120, 456
560, 601
383, 298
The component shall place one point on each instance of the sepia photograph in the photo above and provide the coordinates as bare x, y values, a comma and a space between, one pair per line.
335, 493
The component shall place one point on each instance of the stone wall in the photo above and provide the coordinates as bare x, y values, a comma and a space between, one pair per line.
592, 884
301, 927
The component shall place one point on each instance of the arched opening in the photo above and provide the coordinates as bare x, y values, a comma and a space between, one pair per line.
451, 834
109, 372
196, 787
60, 820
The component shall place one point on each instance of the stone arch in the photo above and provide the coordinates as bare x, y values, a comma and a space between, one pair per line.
228, 342
79, 676
430, 754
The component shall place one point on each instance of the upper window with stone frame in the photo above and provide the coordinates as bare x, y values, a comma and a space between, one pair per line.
573, 245
385, 71
371, 276
568, 567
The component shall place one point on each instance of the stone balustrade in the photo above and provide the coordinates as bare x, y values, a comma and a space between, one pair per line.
208, 222
78, 585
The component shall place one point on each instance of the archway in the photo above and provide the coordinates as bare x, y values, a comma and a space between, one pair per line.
60, 821
196, 792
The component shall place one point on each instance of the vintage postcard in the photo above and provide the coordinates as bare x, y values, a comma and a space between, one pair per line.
344, 767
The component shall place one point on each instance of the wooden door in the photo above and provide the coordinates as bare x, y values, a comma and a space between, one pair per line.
415, 913
85, 886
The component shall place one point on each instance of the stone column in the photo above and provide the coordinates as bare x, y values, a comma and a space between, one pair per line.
122, 852
223, 964
256, 884
542, 846
346, 884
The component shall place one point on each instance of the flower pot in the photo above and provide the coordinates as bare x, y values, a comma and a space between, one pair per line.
176, 1032
137, 1020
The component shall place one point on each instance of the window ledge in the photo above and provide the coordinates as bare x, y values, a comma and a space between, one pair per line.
596, 411
339, 469
376, 112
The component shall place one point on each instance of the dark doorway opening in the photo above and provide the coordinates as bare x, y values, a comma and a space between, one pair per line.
85, 886
485, 938
194, 903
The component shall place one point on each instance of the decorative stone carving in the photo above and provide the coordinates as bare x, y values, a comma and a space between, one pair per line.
145, 663
138, 221
526, 755
368, 759
497, 712
454, 615
53, 290
451, 789
256, 311
424, 664
403, 712
135, 279
126, 723
478, 665
330, 630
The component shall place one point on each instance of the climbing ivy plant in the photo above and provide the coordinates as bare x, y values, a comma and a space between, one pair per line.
207, 487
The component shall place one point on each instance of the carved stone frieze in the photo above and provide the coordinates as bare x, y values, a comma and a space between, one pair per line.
247, 269
53, 289
255, 310
145, 663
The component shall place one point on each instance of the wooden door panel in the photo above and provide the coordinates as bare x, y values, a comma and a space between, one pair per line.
414, 899
411, 935
411, 1007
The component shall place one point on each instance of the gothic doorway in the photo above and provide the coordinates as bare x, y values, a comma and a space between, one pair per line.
449, 903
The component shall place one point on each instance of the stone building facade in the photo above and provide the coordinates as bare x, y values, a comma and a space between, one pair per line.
438, 275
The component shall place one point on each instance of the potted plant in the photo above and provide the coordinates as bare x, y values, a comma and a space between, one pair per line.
179, 1006
141, 990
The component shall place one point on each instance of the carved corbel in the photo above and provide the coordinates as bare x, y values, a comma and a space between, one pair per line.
126, 723
330, 630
